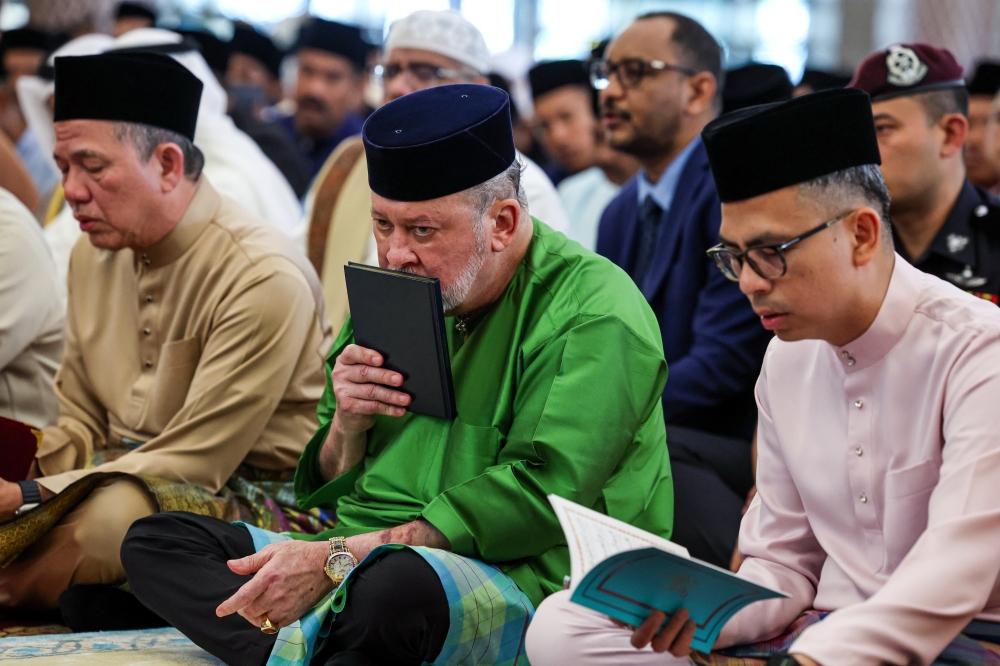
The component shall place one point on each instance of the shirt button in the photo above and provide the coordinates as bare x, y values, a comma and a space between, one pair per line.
859, 403
981, 210
858, 451
863, 498
146, 331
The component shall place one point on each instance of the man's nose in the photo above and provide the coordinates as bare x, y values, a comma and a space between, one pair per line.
73, 188
398, 253
613, 91
314, 86
750, 282
398, 86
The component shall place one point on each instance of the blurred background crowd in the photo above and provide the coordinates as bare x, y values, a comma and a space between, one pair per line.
252, 47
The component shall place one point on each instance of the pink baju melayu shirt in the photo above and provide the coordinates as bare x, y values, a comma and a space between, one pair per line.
878, 481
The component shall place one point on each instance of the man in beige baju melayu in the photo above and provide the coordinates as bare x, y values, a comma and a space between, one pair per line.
195, 337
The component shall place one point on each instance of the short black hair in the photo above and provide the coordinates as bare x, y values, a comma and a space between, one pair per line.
696, 47
939, 103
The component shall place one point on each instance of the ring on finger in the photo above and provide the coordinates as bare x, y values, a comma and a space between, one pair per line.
267, 627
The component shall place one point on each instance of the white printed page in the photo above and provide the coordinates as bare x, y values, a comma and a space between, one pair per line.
594, 537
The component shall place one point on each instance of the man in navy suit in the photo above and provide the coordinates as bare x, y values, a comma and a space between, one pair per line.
660, 85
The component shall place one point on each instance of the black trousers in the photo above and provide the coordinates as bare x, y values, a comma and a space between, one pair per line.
396, 612
712, 477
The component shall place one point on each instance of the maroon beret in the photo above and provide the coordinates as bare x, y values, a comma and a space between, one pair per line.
907, 69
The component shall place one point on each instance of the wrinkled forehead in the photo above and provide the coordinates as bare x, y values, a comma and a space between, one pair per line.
446, 209
92, 135
80, 128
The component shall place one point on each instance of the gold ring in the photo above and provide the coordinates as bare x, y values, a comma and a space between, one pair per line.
267, 627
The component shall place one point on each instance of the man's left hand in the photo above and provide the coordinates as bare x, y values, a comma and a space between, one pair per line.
674, 638
288, 581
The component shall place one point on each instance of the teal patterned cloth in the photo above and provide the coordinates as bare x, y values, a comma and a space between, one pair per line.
489, 613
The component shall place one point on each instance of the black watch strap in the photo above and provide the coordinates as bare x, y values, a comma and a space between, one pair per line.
32, 494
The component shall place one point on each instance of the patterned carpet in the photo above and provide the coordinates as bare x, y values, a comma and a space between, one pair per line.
14, 630
21, 625
150, 647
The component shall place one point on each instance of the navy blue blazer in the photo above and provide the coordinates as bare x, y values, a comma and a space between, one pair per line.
713, 342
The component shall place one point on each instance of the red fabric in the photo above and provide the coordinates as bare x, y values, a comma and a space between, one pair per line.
874, 74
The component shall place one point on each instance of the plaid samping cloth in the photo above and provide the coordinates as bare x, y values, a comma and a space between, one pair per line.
963, 651
489, 614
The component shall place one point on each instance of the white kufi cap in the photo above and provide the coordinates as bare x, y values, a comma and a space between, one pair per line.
446, 32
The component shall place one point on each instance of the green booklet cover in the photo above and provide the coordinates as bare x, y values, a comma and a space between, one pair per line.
626, 573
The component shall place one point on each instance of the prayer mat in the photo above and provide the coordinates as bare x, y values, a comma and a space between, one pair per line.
150, 647
256, 497
475, 637
15, 629
963, 651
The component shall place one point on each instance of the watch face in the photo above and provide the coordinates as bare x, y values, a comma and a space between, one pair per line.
339, 566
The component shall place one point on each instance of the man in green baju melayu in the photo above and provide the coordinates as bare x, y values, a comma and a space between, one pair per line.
558, 371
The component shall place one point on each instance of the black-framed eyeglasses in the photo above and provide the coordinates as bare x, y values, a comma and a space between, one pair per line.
423, 72
630, 71
767, 261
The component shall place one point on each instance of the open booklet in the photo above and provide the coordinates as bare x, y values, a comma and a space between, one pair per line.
626, 573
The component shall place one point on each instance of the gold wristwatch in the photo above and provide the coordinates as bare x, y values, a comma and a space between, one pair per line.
340, 561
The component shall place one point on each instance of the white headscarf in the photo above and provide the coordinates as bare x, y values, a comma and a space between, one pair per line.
234, 164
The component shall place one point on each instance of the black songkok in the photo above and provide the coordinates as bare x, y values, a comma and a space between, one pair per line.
761, 149
986, 79
438, 141
336, 38
753, 84
27, 38
215, 51
146, 88
136, 10
548, 76
260, 47
819, 79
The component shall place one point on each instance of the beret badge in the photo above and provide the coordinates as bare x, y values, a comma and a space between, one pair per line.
904, 66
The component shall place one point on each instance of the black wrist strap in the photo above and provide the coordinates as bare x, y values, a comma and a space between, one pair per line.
32, 494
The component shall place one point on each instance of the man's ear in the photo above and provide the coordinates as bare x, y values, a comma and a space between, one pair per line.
955, 128
865, 227
508, 216
170, 159
701, 92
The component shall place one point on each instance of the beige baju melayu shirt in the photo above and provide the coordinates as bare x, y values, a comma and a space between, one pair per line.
209, 348
31, 317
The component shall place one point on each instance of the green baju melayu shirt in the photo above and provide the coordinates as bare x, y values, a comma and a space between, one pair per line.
558, 390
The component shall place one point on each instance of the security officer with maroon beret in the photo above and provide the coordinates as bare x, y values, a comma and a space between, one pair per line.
942, 223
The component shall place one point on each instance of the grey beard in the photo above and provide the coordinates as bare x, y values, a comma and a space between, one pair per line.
454, 294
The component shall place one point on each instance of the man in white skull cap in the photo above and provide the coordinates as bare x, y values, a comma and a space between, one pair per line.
233, 162
425, 49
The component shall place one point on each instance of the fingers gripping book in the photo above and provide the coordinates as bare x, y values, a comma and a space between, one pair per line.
626, 573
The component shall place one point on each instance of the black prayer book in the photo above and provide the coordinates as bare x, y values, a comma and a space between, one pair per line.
401, 316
